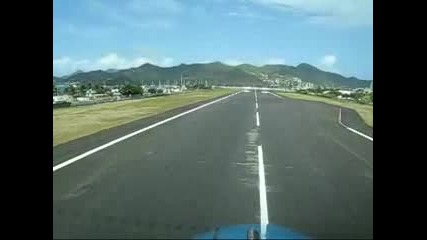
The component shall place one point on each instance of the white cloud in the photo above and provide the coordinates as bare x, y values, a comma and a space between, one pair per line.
328, 61
67, 65
62, 61
335, 12
166, 62
158, 6
244, 12
204, 61
82, 30
275, 61
140, 61
111, 60
233, 62
137, 14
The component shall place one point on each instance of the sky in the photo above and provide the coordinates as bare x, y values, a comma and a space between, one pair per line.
333, 35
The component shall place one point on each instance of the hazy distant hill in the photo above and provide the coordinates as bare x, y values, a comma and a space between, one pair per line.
215, 73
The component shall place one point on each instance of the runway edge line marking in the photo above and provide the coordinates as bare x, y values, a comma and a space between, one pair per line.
262, 194
342, 124
351, 129
275, 95
97, 149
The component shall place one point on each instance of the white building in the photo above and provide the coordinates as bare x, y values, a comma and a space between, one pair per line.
90, 93
62, 98
348, 92
116, 92
83, 99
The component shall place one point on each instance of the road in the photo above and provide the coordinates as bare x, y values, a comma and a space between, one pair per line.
202, 170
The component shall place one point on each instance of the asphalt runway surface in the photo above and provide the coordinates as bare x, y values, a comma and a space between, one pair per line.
201, 171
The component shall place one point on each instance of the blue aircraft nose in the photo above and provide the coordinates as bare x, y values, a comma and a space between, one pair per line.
242, 231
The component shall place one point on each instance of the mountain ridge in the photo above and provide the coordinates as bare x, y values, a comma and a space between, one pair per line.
217, 73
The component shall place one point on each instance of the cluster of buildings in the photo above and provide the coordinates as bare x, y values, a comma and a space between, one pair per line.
109, 92
165, 88
64, 94
287, 82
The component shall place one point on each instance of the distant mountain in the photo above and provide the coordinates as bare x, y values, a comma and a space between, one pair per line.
74, 73
317, 76
216, 73
111, 70
57, 79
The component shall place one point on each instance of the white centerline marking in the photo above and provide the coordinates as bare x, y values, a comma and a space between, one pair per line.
74, 159
257, 119
351, 129
262, 194
256, 97
256, 105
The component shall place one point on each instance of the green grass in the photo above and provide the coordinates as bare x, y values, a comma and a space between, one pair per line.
365, 111
75, 122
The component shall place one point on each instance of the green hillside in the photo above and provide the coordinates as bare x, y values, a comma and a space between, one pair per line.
215, 73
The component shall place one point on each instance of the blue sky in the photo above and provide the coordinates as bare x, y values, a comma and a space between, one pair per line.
334, 35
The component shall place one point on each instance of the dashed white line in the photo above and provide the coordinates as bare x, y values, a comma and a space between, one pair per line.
257, 119
351, 129
256, 105
256, 97
81, 156
262, 194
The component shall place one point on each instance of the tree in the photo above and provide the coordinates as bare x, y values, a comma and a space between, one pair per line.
55, 91
99, 89
152, 90
70, 90
83, 89
365, 99
159, 91
318, 90
130, 90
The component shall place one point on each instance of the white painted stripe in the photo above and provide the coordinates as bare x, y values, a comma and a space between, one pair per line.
74, 159
351, 129
262, 194
359, 133
257, 119
274, 94
256, 97
256, 105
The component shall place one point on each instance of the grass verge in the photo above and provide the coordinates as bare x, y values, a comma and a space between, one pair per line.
365, 111
75, 122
